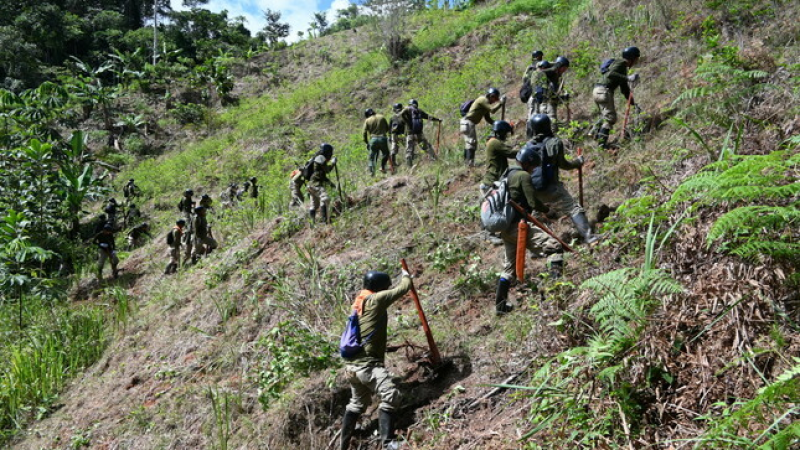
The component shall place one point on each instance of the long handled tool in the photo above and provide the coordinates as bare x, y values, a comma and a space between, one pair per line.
436, 358
438, 135
339, 185
627, 113
522, 248
580, 180
539, 224
503, 112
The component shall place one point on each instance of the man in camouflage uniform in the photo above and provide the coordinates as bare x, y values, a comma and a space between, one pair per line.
132, 214
130, 190
318, 181
107, 250
253, 187
398, 129
497, 154
175, 247
603, 92
413, 117
530, 73
521, 191
204, 243
136, 234
296, 182
186, 206
206, 202
547, 89
481, 109
111, 212
375, 130
366, 370
549, 189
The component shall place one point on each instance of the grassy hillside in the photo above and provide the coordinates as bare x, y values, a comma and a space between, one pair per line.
679, 330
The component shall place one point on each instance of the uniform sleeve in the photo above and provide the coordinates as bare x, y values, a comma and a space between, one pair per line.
527, 189
508, 151
561, 160
620, 76
406, 116
366, 133
384, 299
424, 115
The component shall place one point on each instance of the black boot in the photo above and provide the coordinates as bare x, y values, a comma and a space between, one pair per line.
171, 268
348, 426
500, 301
556, 269
602, 137
312, 213
469, 157
385, 424
582, 224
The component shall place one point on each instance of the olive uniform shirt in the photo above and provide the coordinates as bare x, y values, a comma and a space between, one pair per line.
497, 154
200, 226
482, 109
520, 188
375, 126
374, 320
616, 77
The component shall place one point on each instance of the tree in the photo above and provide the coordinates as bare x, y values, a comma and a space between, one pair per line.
392, 16
321, 22
274, 30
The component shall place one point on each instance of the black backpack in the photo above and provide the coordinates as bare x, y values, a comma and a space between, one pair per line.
464, 109
171, 238
398, 126
525, 91
546, 173
308, 169
416, 120
606, 65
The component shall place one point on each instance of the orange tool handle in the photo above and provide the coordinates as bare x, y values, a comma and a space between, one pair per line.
435, 356
522, 248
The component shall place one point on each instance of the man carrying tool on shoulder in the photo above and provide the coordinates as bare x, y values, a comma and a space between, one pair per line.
481, 109
375, 130
521, 191
413, 117
366, 370
549, 189
613, 77
547, 89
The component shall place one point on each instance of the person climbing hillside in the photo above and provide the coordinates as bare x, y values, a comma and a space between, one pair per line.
366, 370
549, 189
413, 117
204, 242
614, 76
132, 214
526, 91
174, 243
130, 190
397, 130
521, 191
497, 154
136, 234
318, 179
253, 187
206, 202
111, 210
375, 130
186, 205
547, 89
107, 251
481, 109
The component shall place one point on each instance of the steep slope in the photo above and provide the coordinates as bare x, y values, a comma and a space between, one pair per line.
237, 352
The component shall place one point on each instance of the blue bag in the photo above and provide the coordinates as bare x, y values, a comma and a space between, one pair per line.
350, 344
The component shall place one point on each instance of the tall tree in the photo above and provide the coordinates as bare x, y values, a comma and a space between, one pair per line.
275, 30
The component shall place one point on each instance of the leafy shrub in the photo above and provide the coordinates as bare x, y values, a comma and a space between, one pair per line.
188, 113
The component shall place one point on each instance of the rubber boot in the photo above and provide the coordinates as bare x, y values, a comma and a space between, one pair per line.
556, 269
602, 137
469, 157
385, 425
171, 268
325, 217
348, 426
582, 224
500, 300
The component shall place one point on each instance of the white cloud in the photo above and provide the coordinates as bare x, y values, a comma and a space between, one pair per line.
297, 13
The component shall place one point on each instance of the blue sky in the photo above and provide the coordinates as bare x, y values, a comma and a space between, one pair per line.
297, 13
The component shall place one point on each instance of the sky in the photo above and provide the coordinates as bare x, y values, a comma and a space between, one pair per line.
297, 13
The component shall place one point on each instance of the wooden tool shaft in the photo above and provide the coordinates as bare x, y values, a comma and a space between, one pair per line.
435, 356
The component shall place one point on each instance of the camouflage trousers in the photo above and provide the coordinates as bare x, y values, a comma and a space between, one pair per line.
470, 136
367, 380
538, 242
411, 142
174, 254
394, 143
104, 256
557, 197
202, 245
295, 185
318, 195
188, 241
604, 99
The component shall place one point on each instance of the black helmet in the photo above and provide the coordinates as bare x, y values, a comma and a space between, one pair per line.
180, 221
562, 61
631, 53
205, 196
369, 112
109, 209
253, 180
541, 124
199, 209
397, 107
108, 227
130, 181
528, 155
501, 128
492, 91
326, 150
188, 193
377, 281
544, 64
112, 200
414, 102
537, 55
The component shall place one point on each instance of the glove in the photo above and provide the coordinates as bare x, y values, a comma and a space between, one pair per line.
333, 161
503, 99
435, 119
406, 274
579, 160
633, 78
